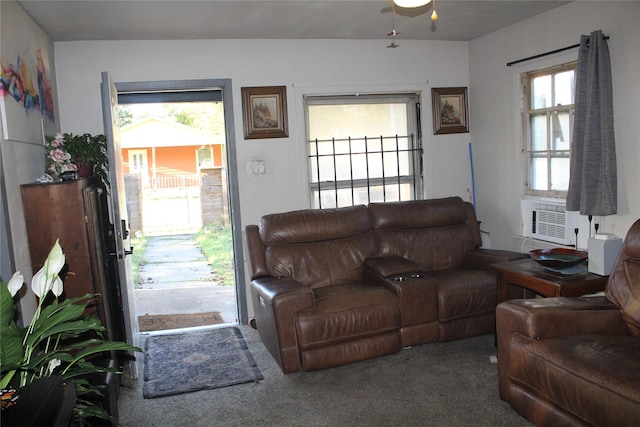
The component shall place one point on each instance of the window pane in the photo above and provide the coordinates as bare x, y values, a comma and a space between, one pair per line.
326, 170
343, 167
539, 174
541, 92
564, 88
560, 131
355, 120
539, 132
548, 118
205, 157
560, 173
362, 142
378, 193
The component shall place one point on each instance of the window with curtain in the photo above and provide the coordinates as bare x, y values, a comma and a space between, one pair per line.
363, 148
549, 104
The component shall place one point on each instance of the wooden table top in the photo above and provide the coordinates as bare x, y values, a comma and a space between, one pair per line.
529, 268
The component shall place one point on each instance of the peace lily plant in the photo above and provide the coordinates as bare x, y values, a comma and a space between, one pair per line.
59, 340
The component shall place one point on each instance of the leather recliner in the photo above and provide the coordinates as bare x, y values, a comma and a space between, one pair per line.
328, 286
576, 361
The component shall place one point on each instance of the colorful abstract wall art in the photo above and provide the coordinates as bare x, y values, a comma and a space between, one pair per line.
27, 101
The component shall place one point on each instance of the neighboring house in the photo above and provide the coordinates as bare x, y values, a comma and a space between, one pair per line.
160, 150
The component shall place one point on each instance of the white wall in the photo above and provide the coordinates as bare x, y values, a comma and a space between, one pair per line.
305, 67
23, 161
310, 66
495, 130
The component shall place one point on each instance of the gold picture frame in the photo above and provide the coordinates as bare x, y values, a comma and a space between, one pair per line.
450, 111
265, 112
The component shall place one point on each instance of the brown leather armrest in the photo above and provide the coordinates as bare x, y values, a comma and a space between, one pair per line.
485, 258
392, 266
546, 317
255, 250
543, 317
276, 302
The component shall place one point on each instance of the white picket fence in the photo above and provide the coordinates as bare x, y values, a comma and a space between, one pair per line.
171, 181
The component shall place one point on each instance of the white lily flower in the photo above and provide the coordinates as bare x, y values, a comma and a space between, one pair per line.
57, 287
55, 260
53, 364
15, 283
39, 283
46, 279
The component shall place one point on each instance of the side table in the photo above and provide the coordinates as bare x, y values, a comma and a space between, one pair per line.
546, 282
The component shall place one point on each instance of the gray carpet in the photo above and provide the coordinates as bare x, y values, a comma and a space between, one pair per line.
439, 384
197, 360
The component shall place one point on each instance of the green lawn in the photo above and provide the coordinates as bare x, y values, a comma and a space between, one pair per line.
217, 245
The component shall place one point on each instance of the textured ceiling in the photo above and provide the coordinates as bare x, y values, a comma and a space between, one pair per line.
268, 19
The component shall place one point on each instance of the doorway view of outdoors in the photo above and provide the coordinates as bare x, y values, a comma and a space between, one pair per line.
175, 175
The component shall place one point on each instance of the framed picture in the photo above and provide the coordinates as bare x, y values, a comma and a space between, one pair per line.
265, 112
449, 110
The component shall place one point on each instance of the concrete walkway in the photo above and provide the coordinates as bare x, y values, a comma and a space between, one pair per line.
176, 278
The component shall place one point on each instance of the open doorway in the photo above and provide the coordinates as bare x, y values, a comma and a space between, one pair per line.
173, 146
177, 207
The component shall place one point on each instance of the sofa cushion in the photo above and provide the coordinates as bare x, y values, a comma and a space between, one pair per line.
314, 225
318, 247
623, 287
593, 377
464, 293
347, 312
435, 233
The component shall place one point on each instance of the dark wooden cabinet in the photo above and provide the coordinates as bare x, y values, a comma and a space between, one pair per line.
77, 213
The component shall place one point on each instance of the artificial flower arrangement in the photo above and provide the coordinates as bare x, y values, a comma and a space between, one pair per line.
58, 158
59, 340
85, 154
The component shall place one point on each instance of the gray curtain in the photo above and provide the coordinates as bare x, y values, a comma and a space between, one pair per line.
593, 186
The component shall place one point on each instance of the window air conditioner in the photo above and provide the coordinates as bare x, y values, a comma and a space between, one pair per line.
548, 221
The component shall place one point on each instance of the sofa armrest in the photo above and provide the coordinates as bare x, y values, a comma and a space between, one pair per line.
392, 266
276, 302
485, 258
547, 317
255, 250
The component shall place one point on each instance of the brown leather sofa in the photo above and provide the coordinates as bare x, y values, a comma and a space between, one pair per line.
576, 361
335, 286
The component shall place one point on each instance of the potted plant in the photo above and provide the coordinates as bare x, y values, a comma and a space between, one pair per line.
59, 340
84, 155
89, 153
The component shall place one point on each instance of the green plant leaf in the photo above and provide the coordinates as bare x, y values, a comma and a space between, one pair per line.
56, 314
7, 307
91, 149
79, 372
11, 350
106, 346
89, 410
65, 329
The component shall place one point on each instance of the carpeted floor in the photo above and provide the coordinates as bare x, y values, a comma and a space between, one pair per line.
197, 360
163, 322
439, 384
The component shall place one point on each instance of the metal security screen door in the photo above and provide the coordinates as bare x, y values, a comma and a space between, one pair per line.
363, 149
